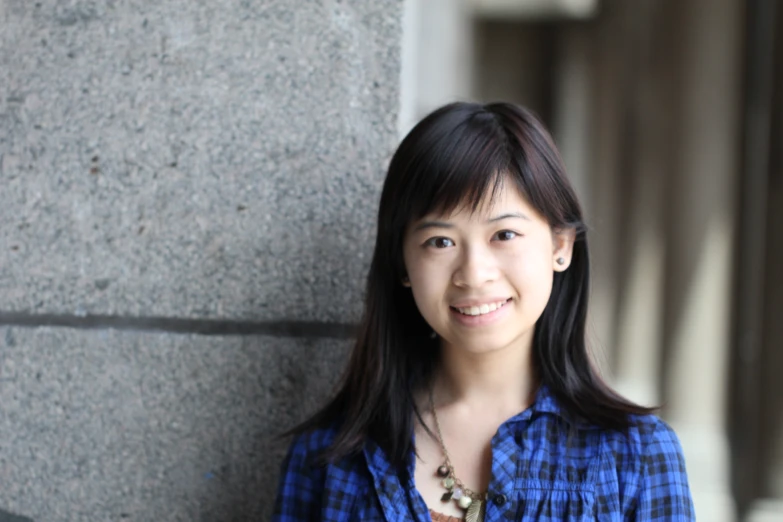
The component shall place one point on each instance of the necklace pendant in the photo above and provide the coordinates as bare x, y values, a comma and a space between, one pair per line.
446, 497
475, 512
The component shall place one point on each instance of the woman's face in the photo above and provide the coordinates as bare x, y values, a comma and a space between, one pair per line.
482, 279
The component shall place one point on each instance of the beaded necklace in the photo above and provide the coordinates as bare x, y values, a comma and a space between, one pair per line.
466, 498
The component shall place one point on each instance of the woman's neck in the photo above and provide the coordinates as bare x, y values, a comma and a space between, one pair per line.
504, 378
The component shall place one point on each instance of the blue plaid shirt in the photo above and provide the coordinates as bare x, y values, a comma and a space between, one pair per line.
541, 471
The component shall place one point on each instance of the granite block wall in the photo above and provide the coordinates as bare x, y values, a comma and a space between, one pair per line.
120, 425
187, 197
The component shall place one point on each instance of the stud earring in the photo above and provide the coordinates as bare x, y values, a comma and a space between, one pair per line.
560, 261
406, 281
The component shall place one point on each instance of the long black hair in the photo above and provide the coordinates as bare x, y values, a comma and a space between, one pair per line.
453, 157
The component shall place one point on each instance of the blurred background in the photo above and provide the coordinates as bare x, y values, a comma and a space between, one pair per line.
188, 194
668, 116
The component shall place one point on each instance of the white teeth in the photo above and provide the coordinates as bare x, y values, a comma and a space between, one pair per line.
481, 310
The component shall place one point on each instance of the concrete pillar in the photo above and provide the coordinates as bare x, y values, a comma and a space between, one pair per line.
630, 142
438, 52
769, 506
702, 217
409, 66
187, 200
514, 62
766, 510
610, 80
641, 241
573, 115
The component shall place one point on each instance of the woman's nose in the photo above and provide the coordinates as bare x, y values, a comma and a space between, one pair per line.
476, 267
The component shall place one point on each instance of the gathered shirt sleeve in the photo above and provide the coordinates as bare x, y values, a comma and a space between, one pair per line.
664, 493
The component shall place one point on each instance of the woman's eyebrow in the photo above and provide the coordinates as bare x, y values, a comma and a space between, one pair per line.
508, 215
432, 224
443, 224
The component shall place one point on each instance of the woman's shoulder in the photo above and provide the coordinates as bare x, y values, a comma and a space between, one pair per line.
649, 448
641, 432
649, 433
311, 483
313, 441
309, 452
313, 450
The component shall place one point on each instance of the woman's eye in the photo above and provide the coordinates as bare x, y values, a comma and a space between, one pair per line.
505, 235
439, 242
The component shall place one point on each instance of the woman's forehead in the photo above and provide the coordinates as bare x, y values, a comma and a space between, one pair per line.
503, 197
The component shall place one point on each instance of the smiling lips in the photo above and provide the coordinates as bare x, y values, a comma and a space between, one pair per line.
480, 309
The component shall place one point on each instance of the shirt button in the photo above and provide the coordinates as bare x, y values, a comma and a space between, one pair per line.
499, 500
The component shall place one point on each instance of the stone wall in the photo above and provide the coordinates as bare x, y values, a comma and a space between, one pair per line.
188, 202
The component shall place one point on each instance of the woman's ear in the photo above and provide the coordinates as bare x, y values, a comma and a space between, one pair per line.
563, 245
405, 281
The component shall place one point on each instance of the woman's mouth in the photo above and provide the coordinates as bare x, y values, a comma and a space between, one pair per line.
482, 309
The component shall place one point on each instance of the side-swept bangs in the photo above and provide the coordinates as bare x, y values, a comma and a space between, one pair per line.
453, 163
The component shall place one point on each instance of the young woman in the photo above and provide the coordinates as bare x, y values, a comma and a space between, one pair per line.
470, 394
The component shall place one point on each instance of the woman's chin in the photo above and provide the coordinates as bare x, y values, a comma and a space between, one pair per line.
486, 345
